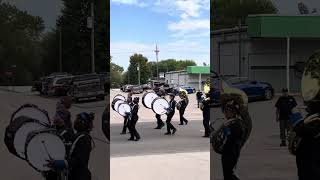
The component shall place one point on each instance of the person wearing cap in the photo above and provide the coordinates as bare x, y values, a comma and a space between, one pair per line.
206, 106
170, 114
284, 106
233, 137
79, 155
62, 111
134, 119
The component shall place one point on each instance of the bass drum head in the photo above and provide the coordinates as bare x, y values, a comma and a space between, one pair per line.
124, 108
159, 105
22, 134
116, 104
119, 96
42, 146
32, 111
147, 99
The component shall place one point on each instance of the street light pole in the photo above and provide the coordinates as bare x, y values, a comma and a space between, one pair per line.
157, 52
92, 38
60, 48
139, 72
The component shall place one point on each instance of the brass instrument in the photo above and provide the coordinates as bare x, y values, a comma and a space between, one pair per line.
310, 90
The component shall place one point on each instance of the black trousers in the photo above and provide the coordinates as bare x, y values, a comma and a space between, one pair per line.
159, 120
283, 129
132, 128
125, 125
229, 162
182, 119
206, 124
169, 125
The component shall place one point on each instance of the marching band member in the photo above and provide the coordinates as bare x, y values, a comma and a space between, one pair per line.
62, 111
233, 134
205, 107
133, 121
160, 123
181, 106
106, 123
125, 121
307, 130
170, 114
78, 159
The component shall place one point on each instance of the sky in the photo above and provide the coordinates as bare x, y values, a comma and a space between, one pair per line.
180, 28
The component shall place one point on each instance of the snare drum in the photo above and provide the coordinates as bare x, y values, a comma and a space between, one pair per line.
17, 131
32, 111
159, 105
147, 99
44, 145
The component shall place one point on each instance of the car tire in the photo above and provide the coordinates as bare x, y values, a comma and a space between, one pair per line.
268, 94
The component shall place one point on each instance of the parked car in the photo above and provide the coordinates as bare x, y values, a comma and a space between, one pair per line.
146, 86
255, 90
86, 86
128, 88
136, 89
189, 89
59, 86
47, 80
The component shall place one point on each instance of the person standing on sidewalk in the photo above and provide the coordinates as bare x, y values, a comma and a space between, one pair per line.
181, 106
284, 106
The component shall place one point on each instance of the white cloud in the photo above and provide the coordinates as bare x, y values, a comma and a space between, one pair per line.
130, 2
190, 26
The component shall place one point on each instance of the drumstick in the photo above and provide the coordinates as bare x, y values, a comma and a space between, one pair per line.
45, 147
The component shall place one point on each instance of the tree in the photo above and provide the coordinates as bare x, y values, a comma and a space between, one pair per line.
116, 75
145, 71
227, 13
170, 65
20, 35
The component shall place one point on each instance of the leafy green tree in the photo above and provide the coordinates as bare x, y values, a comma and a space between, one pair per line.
170, 65
145, 71
116, 75
227, 13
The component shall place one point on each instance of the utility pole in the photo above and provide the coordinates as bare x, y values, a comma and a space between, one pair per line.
139, 72
60, 48
157, 52
92, 38
240, 53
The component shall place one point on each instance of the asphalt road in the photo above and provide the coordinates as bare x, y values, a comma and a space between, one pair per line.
261, 158
10, 165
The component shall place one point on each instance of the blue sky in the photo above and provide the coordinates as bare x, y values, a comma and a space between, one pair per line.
181, 28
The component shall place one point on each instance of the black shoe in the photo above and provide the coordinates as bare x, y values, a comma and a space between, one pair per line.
205, 136
186, 122
174, 131
137, 139
157, 127
181, 124
168, 133
123, 133
131, 139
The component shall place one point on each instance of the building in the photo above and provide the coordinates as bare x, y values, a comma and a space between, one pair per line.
194, 76
271, 48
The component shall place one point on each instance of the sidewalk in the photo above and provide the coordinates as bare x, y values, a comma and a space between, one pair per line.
186, 166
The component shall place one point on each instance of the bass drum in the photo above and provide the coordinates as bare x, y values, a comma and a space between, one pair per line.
124, 108
114, 102
147, 99
32, 111
117, 103
44, 145
119, 96
17, 131
159, 105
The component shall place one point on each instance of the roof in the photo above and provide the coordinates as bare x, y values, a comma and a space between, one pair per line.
198, 69
276, 26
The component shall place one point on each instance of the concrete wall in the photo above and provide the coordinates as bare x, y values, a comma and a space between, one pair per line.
262, 59
182, 78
